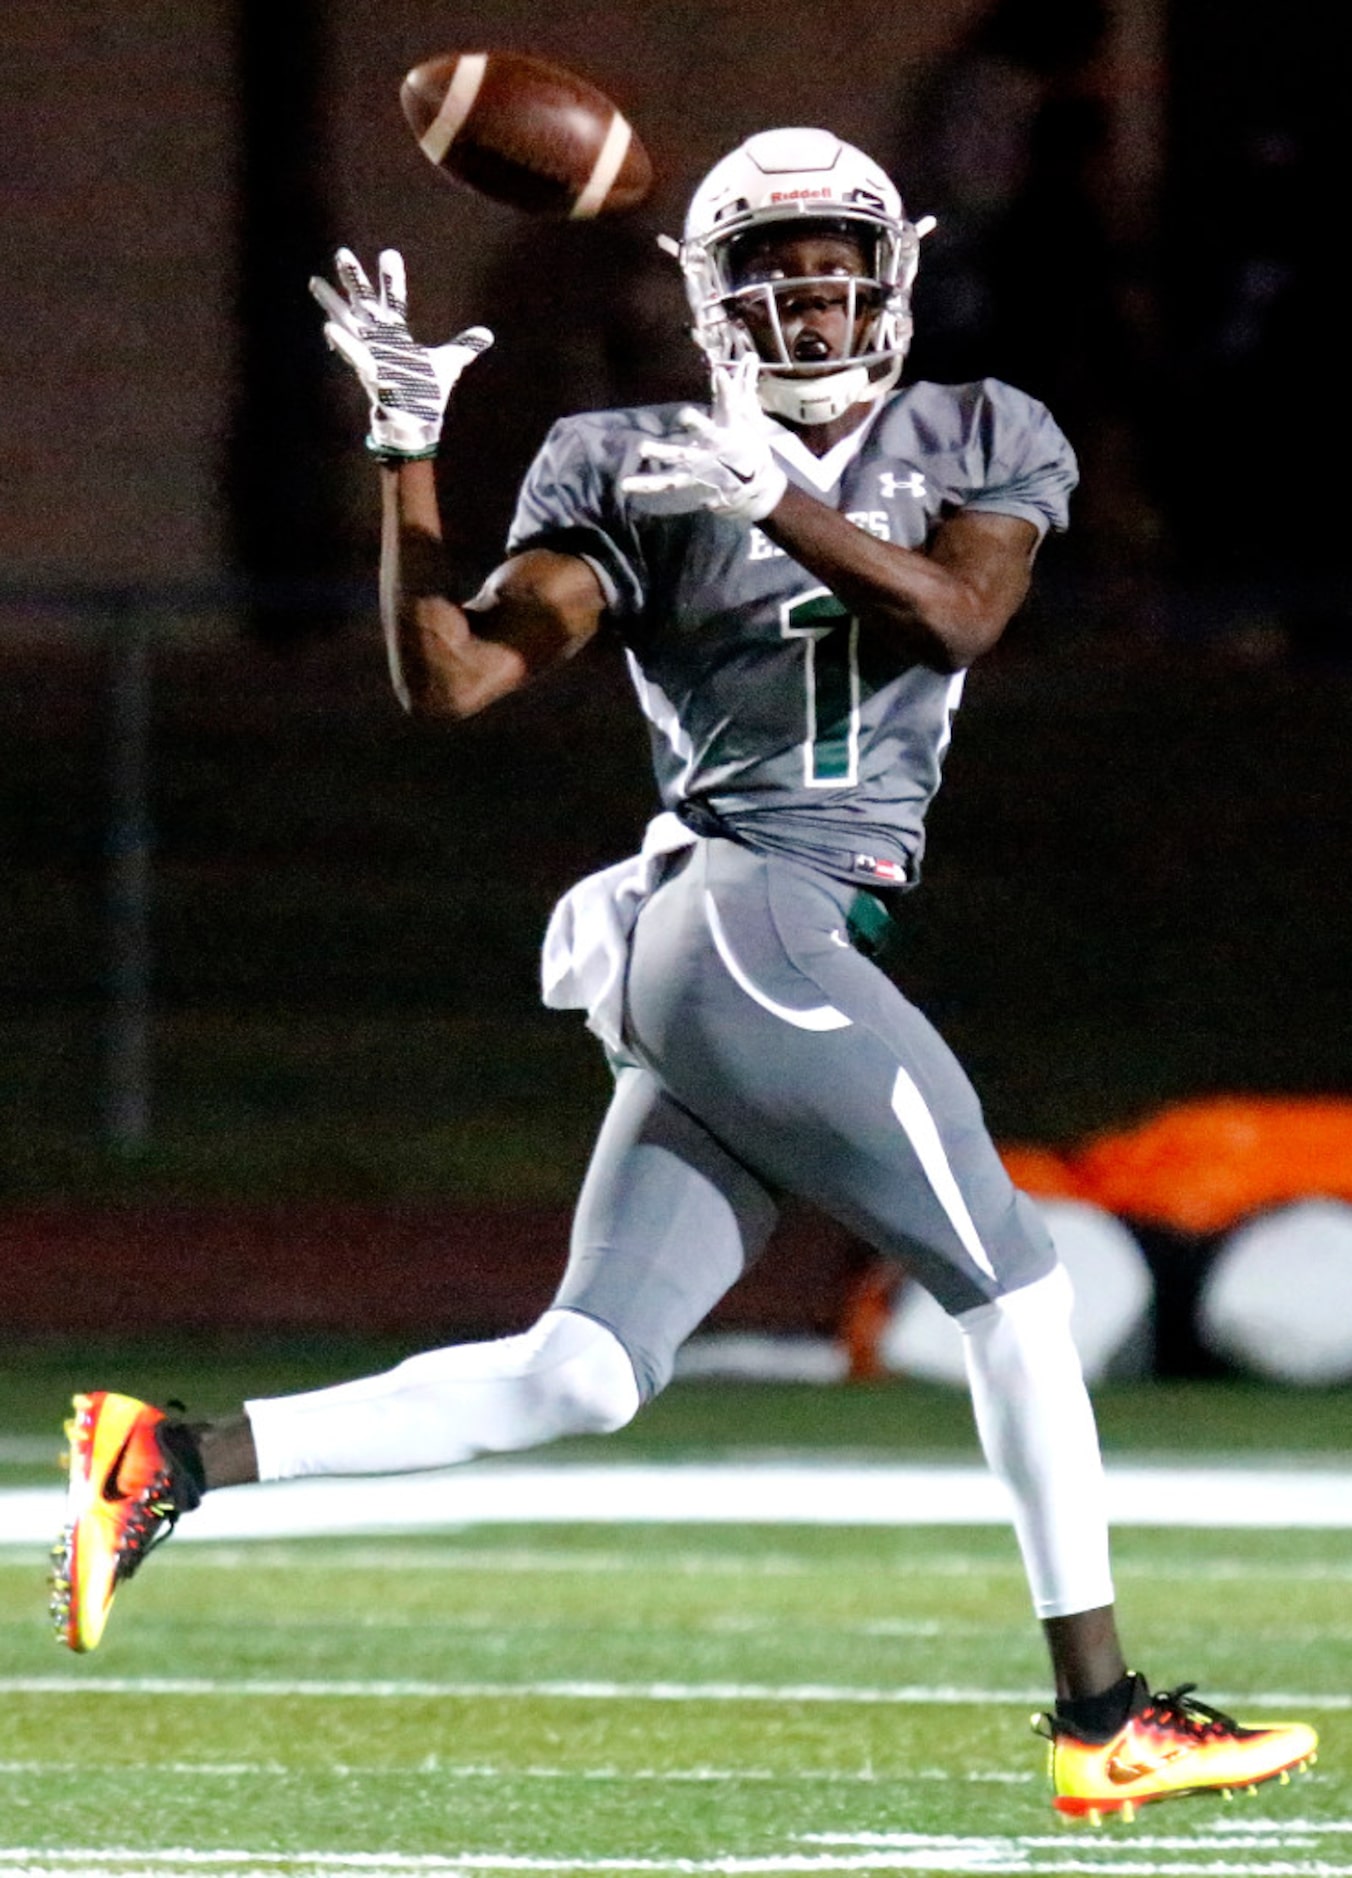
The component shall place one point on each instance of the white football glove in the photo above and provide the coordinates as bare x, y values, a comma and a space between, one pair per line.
726, 466
408, 384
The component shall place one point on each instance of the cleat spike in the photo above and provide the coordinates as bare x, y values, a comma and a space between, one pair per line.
1228, 1794
1094, 1817
1283, 1778
1128, 1812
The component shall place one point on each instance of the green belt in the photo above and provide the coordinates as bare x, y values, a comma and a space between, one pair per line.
872, 928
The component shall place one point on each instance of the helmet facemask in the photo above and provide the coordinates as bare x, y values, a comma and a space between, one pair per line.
874, 314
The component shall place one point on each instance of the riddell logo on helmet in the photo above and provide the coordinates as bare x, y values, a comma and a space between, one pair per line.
800, 195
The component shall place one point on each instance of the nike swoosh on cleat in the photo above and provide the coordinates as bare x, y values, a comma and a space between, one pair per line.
1122, 1773
111, 1489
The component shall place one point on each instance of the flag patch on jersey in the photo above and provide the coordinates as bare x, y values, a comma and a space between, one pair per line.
893, 872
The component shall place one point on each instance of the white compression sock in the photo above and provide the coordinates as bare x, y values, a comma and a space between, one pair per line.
1037, 1432
568, 1375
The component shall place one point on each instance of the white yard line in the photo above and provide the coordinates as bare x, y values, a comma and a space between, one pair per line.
1263, 1850
604, 1776
395, 1554
764, 1492
414, 1690
912, 1695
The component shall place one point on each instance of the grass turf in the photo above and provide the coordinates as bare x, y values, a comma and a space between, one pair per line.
422, 1699
699, 1698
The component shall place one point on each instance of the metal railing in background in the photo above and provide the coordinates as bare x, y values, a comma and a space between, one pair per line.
127, 625
127, 1093
1177, 847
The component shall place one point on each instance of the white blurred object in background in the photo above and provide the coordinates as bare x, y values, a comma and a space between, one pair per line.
1277, 1301
1113, 1289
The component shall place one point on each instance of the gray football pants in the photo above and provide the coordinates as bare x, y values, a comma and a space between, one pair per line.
772, 1058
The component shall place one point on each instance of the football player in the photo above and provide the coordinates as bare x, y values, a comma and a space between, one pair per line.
800, 574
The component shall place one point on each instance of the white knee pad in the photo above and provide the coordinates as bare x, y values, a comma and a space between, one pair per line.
578, 1375
568, 1375
1037, 1431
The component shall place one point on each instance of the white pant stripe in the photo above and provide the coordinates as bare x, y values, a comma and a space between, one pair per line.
816, 1017
908, 1105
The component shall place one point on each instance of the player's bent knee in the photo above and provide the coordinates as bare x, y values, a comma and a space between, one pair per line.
584, 1376
590, 1404
1035, 1311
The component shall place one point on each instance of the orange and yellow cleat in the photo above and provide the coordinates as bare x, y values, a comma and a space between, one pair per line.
132, 1472
1170, 1745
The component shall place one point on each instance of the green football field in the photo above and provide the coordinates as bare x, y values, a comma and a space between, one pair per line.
660, 1697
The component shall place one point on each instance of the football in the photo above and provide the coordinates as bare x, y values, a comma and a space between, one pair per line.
527, 133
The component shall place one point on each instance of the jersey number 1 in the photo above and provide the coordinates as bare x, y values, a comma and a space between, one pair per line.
831, 681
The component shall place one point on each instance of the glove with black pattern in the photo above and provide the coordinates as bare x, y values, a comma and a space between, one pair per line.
408, 384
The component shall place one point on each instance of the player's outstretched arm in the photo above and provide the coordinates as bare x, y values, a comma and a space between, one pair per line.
452, 660
537, 609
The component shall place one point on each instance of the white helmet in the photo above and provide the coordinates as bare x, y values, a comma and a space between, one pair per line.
778, 178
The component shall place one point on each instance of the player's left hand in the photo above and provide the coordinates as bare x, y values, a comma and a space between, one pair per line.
408, 384
725, 465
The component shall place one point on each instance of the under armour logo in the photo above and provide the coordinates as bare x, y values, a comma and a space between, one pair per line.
912, 485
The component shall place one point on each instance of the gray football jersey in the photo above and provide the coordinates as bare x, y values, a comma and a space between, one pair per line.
768, 706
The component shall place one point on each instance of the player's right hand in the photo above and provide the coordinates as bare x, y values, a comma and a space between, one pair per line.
408, 384
723, 462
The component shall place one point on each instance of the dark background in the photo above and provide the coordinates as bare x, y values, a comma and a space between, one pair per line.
315, 977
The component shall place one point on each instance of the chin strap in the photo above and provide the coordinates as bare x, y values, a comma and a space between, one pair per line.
821, 400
